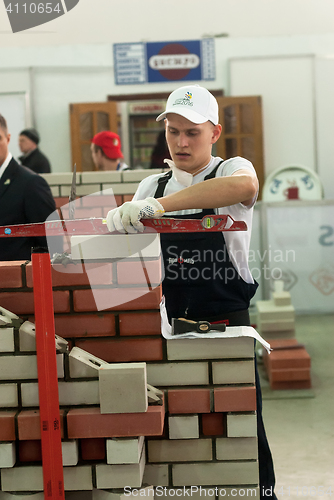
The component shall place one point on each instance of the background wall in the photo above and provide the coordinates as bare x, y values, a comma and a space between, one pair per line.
266, 52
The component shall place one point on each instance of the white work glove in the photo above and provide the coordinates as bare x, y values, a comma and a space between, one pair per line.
126, 218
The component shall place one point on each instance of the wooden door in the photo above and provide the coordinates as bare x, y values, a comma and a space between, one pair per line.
87, 119
241, 120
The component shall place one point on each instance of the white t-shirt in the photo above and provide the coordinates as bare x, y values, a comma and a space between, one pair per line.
237, 242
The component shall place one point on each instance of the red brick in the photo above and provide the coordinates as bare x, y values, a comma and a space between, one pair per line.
93, 449
280, 386
121, 350
83, 212
7, 425
289, 375
98, 200
29, 426
30, 451
213, 424
90, 423
61, 201
116, 299
142, 323
23, 302
189, 401
84, 325
287, 358
127, 197
235, 399
135, 273
11, 274
77, 274
119, 198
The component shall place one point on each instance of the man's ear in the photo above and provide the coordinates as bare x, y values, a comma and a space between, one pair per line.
216, 132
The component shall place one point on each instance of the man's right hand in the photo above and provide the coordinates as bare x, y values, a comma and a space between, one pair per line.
126, 218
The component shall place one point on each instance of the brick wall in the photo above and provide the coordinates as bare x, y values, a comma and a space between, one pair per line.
204, 433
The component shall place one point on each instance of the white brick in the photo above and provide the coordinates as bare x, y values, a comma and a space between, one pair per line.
124, 450
282, 334
84, 364
123, 388
156, 474
61, 178
239, 493
55, 190
182, 450
240, 425
267, 310
27, 478
82, 190
282, 298
233, 372
115, 246
122, 188
242, 347
236, 448
119, 476
8, 395
7, 455
8, 314
215, 473
183, 427
24, 367
7, 340
139, 174
13, 496
27, 338
143, 493
70, 393
70, 451
78, 478
166, 374
276, 325
100, 177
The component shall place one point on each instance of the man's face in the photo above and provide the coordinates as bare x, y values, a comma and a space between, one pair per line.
4, 141
190, 144
26, 145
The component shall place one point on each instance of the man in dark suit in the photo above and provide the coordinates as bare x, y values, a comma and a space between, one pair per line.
25, 197
32, 157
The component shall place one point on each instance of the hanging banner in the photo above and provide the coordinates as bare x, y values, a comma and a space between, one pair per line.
164, 61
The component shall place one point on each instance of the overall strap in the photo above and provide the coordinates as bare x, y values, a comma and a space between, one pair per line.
162, 183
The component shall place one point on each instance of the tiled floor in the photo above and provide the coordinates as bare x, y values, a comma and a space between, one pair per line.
301, 431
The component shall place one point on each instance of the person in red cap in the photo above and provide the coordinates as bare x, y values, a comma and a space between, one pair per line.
106, 151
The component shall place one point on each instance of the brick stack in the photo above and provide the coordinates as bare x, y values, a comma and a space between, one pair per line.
204, 434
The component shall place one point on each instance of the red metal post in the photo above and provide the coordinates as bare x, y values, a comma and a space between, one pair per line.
53, 478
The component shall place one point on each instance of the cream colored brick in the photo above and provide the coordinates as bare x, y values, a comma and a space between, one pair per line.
276, 325
139, 174
115, 246
181, 450
241, 425
166, 374
119, 476
236, 448
70, 451
7, 340
82, 190
61, 178
156, 474
267, 310
233, 372
55, 190
282, 298
82, 364
24, 367
240, 493
241, 347
207, 474
122, 188
78, 478
282, 334
8, 395
110, 176
8, 314
70, 393
183, 427
7, 455
123, 388
27, 478
124, 450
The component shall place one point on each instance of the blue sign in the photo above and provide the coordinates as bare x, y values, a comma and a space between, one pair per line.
164, 61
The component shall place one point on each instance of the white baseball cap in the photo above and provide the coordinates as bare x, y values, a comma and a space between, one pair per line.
193, 102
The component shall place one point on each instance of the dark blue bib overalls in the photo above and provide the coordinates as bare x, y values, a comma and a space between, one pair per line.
201, 283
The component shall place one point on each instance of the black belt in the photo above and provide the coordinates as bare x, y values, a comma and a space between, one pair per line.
235, 318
